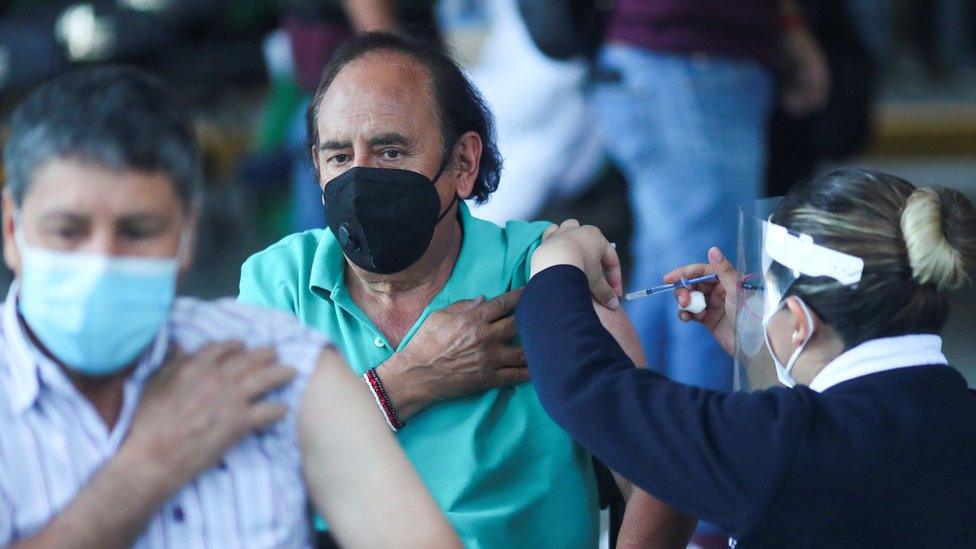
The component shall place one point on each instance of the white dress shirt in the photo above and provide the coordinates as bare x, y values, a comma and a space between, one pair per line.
52, 439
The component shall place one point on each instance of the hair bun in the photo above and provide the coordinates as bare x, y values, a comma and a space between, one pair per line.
939, 228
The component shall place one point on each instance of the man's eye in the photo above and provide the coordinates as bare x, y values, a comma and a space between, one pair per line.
67, 233
135, 233
339, 159
391, 154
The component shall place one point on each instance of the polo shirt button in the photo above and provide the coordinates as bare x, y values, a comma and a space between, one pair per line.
378, 342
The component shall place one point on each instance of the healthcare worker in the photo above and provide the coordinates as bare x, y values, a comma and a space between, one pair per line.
868, 438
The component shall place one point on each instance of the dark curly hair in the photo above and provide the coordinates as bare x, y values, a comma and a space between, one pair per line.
460, 108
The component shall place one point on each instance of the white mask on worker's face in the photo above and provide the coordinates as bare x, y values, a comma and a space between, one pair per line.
784, 372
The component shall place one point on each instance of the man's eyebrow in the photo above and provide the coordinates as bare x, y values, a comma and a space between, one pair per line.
390, 138
335, 145
64, 216
147, 218
133, 218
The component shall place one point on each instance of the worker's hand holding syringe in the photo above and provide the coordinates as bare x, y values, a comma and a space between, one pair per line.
719, 296
696, 299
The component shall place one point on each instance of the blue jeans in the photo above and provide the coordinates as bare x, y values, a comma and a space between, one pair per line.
689, 133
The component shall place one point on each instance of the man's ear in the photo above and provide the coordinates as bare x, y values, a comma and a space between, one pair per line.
802, 319
11, 252
466, 163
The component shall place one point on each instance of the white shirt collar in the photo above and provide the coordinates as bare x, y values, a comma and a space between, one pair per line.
30, 368
881, 355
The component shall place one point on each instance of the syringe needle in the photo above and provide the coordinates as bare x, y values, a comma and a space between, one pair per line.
650, 291
668, 287
635, 295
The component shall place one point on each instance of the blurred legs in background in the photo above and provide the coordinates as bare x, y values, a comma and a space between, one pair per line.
689, 133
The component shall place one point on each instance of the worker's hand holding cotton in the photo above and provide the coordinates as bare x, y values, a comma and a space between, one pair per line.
696, 303
718, 298
584, 247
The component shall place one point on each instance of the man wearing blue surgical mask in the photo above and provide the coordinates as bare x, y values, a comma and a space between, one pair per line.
130, 416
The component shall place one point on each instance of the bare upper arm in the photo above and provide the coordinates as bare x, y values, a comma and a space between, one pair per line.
649, 522
353, 464
622, 329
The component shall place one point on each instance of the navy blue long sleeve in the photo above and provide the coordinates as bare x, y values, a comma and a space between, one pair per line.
782, 464
697, 450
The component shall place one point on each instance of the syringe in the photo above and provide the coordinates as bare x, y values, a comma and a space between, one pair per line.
685, 282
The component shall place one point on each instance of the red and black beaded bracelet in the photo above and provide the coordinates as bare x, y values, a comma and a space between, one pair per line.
383, 399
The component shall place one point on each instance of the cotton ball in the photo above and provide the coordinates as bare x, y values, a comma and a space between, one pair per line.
696, 304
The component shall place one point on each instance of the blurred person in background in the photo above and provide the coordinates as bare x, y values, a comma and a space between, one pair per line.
943, 33
683, 95
399, 139
131, 417
849, 32
545, 127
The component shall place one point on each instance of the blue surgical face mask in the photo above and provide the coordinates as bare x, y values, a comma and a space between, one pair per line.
95, 313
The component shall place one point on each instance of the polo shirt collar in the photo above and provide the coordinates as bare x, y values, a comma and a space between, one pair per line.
881, 355
329, 263
31, 371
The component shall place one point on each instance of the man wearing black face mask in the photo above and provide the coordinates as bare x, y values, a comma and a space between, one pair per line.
400, 139
384, 218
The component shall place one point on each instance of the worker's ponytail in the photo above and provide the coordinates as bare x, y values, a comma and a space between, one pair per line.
939, 227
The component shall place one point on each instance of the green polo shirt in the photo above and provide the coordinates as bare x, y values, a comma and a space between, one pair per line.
502, 471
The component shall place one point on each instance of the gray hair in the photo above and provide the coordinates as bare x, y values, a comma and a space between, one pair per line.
116, 117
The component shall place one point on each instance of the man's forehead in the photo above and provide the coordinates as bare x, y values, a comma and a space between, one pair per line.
68, 185
380, 93
379, 72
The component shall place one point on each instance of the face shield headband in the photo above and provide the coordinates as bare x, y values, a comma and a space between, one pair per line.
770, 259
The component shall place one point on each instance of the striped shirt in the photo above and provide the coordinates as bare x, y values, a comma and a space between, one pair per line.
52, 440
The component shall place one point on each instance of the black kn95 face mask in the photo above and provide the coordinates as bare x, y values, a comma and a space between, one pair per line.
383, 218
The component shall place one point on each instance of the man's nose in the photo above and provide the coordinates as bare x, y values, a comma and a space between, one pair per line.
364, 160
105, 243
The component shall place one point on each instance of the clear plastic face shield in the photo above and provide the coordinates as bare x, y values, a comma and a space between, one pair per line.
770, 259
